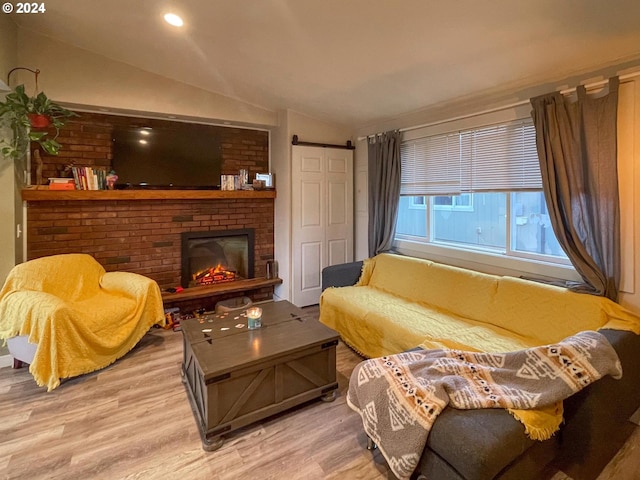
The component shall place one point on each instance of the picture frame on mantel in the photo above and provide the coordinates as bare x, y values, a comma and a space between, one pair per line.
267, 178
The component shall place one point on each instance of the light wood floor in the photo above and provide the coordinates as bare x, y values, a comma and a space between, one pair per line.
133, 421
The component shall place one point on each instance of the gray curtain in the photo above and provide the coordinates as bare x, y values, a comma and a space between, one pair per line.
384, 190
576, 143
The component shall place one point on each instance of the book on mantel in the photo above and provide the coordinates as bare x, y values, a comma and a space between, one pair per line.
62, 184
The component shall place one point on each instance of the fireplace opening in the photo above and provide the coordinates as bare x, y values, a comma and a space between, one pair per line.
213, 257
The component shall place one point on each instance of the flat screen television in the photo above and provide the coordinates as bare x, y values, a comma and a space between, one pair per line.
158, 154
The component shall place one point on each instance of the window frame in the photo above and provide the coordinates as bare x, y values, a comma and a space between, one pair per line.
484, 261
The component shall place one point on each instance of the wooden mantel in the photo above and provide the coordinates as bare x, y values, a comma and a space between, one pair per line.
42, 193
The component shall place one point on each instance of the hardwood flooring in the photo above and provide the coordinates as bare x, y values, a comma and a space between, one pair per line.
132, 420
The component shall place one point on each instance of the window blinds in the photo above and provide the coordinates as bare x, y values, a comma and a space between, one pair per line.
491, 158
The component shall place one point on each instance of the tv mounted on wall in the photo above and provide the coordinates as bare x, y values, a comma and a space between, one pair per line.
164, 154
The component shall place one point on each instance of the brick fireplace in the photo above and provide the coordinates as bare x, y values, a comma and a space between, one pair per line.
144, 236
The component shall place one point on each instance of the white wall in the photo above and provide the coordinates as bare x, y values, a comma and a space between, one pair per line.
8, 46
308, 129
281, 167
361, 200
8, 60
629, 181
75, 76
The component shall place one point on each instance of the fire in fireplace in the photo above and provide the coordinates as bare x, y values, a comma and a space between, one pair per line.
213, 257
216, 274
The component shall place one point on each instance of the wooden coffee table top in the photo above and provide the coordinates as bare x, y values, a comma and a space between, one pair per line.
222, 343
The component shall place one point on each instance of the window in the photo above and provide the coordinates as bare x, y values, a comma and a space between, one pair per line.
531, 231
412, 221
478, 228
514, 224
477, 190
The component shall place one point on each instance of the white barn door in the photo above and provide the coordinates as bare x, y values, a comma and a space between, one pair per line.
322, 217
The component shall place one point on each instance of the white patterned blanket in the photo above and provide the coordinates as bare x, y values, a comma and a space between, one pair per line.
400, 396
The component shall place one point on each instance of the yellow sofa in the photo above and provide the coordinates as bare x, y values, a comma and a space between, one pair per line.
402, 302
79, 317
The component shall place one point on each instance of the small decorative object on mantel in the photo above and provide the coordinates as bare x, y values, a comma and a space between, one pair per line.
267, 178
62, 183
27, 117
39, 164
272, 269
243, 178
229, 182
66, 171
112, 178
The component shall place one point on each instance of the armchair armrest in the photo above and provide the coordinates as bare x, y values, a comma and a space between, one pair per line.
342, 275
129, 284
28, 306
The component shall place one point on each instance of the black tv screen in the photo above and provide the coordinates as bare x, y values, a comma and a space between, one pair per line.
167, 155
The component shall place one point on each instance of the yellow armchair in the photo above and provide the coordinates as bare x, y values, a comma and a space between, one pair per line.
80, 317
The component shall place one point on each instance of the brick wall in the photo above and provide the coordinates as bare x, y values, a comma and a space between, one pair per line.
87, 141
143, 236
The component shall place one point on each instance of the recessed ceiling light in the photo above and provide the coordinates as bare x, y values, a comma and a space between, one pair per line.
173, 19
143, 142
145, 131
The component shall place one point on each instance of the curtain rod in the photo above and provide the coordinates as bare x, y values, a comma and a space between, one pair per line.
504, 107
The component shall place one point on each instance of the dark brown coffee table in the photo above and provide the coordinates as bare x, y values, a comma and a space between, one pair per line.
235, 376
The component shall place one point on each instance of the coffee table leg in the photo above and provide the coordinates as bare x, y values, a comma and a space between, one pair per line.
329, 397
213, 444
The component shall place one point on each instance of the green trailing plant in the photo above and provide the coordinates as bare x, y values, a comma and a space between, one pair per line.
31, 119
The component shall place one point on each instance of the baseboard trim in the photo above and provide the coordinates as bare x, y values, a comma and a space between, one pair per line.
6, 361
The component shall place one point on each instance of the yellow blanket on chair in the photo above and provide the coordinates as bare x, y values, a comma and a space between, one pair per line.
80, 317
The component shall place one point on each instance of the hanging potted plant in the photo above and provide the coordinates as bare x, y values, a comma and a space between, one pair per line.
27, 117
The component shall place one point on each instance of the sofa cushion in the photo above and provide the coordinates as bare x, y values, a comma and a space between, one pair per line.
548, 313
377, 323
479, 444
465, 293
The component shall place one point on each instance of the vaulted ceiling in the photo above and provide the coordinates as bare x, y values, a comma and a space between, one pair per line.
352, 61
